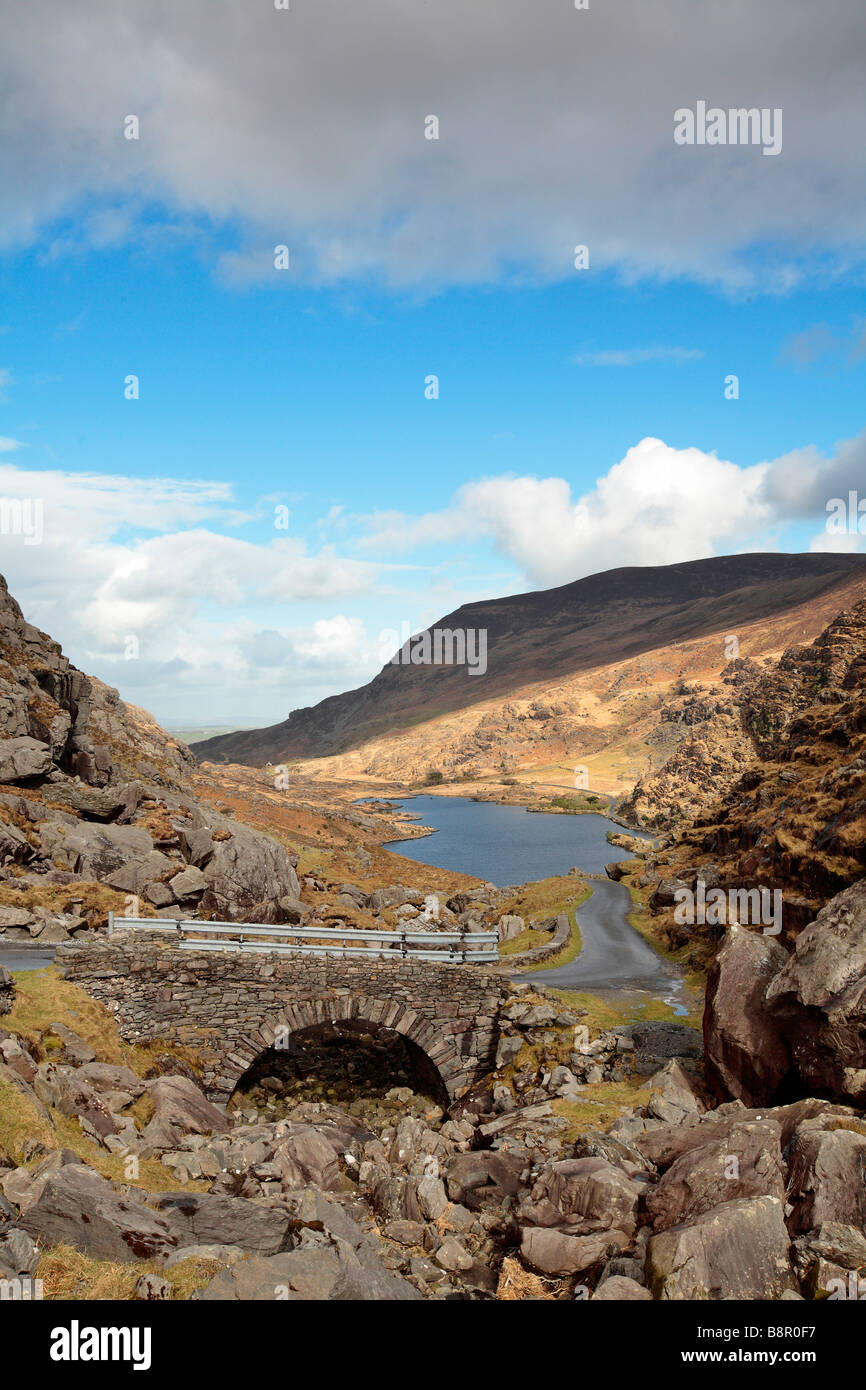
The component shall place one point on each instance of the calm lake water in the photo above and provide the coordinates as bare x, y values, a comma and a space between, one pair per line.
506, 844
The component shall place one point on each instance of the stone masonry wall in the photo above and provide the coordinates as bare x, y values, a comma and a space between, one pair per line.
229, 1005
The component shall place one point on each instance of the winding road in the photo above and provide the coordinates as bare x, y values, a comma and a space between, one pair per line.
613, 955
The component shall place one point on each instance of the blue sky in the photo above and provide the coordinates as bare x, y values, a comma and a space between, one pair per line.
305, 388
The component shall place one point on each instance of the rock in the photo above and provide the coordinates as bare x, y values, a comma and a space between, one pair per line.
665, 893
404, 1232
618, 1289
674, 1097
61, 1088
150, 1288
15, 848
117, 1085
432, 1197
657, 1041
180, 1108
818, 998
738, 1250
506, 1050
394, 896
510, 926
23, 758
746, 1055
483, 1178
828, 1254
745, 1162
197, 846
7, 991
189, 883
75, 1050
208, 1218
452, 1255
396, 1199
96, 803
18, 1252
78, 1207
245, 868
221, 1254
580, 1194
554, 1252
826, 1170
304, 1156
330, 1274
16, 1057
159, 894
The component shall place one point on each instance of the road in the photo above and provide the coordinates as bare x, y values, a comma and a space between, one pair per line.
15, 959
613, 955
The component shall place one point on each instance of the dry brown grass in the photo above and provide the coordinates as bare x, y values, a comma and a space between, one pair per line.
515, 1283
68, 1274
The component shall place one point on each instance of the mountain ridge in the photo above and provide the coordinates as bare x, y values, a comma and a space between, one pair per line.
585, 626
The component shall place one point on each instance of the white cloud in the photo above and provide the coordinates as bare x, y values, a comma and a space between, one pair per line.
659, 504
126, 557
10, 446
306, 126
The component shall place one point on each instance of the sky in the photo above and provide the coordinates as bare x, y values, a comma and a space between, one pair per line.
291, 486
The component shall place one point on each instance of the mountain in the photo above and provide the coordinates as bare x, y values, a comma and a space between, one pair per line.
583, 674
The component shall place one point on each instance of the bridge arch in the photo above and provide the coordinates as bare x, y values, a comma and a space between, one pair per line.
361, 1014
229, 1006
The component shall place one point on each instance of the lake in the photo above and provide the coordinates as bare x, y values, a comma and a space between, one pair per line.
506, 844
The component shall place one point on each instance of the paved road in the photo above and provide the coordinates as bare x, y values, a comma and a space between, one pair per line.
613, 954
26, 960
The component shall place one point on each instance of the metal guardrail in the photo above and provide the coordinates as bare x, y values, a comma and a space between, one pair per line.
252, 937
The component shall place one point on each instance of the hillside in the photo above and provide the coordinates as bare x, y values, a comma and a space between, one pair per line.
619, 652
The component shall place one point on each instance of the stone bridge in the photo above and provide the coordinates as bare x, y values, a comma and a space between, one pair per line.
232, 1006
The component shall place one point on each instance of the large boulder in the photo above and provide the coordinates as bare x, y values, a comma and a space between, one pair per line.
827, 1174
746, 1056
304, 1156
61, 1088
744, 1162
557, 1253
245, 867
739, 1249
23, 758
78, 1207
331, 1274
818, 998
209, 1218
180, 1108
580, 1195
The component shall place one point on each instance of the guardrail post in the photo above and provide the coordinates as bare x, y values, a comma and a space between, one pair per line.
110, 922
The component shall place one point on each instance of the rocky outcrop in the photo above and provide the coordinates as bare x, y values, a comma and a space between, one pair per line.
93, 791
746, 1055
818, 999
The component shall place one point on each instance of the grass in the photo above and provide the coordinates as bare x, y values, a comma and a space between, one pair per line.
68, 1274
600, 1108
44, 998
583, 803
19, 1121
545, 898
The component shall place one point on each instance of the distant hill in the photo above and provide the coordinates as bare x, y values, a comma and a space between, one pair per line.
578, 672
